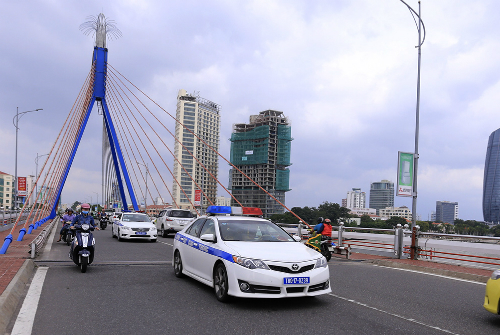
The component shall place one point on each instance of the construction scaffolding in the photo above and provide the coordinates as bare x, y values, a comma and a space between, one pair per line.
261, 150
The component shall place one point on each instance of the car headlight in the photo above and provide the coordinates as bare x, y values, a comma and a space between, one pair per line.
495, 275
152, 229
124, 228
250, 263
321, 263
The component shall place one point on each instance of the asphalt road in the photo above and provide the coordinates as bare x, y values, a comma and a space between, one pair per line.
131, 288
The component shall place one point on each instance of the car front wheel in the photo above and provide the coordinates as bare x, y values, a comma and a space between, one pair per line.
178, 264
221, 286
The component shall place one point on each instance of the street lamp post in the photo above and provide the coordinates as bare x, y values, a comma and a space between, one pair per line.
36, 174
97, 207
15, 121
417, 121
145, 194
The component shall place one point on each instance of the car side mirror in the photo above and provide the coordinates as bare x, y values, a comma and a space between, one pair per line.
297, 238
208, 238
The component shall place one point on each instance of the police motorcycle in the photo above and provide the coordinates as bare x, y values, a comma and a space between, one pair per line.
82, 248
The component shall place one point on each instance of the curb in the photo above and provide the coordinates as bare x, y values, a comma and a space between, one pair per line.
13, 293
442, 272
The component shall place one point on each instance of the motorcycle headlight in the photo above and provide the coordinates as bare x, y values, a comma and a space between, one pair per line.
321, 263
85, 226
495, 275
250, 263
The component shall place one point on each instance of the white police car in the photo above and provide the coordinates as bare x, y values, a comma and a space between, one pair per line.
245, 256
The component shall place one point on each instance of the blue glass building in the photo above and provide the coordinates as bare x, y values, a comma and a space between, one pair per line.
491, 183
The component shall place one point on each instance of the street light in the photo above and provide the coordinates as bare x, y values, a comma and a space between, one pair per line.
15, 121
145, 194
97, 207
417, 121
36, 175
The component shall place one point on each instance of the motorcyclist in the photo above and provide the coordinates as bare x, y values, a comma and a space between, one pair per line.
84, 217
324, 227
69, 216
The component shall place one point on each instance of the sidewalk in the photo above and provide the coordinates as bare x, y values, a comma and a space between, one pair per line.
443, 269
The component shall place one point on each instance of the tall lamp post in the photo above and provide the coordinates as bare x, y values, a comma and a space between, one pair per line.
97, 207
421, 40
15, 121
36, 174
145, 194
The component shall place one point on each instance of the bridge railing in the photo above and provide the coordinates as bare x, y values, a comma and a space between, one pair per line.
479, 251
40, 240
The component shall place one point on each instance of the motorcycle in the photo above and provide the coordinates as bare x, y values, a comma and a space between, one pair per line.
82, 247
327, 247
103, 222
68, 235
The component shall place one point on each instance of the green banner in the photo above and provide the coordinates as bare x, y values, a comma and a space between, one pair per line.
405, 174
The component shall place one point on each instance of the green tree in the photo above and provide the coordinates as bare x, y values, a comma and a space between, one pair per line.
393, 221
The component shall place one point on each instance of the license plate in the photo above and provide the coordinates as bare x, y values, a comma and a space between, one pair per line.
140, 233
296, 280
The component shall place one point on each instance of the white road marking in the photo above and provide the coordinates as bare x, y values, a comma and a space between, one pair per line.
432, 274
392, 314
166, 243
26, 316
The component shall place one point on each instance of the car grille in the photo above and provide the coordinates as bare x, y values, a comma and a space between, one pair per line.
288, 270
317, 287
294, 289
140, 229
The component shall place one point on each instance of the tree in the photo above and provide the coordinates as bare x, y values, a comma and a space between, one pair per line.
395, 220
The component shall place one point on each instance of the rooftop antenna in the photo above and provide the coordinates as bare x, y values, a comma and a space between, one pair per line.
100, 27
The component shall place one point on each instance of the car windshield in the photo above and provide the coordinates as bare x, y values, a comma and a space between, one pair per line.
252, 231
181, 214
135, 218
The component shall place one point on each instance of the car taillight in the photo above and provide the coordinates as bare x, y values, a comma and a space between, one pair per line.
167, 219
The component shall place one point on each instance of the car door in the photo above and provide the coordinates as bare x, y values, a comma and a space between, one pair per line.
188, 247
159, 219
205, 257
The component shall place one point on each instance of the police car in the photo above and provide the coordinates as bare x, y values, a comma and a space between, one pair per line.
241, 255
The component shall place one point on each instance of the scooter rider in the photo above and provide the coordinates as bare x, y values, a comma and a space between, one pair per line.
69, 216
324, 227
84, 217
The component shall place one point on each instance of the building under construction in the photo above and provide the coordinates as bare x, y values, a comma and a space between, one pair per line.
261, 150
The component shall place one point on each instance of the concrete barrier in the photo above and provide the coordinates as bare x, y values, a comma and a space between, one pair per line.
13, 294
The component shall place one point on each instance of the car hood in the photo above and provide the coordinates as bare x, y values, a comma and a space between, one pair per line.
133, 224
273, 251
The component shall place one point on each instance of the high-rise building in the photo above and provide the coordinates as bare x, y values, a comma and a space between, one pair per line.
261, 150
355, 199
201, 116
6, 183
446, 211
491, 181
381, 194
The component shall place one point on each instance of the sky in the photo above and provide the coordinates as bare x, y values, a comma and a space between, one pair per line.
343, 72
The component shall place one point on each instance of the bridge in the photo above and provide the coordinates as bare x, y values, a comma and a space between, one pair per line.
131, 288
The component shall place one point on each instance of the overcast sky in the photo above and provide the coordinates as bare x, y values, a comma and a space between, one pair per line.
344, 73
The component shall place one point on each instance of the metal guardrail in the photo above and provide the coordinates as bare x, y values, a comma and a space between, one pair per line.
40, 240
402, 251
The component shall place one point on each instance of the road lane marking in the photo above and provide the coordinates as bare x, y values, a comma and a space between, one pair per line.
391, 314
166, 243
26, 316
432, 274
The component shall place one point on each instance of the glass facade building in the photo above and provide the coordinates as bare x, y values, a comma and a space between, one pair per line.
446, 211
491, 182
381, 195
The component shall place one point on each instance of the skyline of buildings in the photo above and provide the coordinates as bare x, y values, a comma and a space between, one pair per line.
261, 150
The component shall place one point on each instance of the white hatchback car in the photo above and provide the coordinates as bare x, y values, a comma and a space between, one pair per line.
135, 226
248, 257
173, 220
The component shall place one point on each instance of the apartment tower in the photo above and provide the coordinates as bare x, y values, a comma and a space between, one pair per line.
202, 117
381, 195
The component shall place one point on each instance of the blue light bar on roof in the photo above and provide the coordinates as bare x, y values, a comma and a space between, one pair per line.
219, 210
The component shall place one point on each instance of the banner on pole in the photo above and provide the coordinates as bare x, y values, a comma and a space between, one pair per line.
197, 197
21, 187
405, 174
